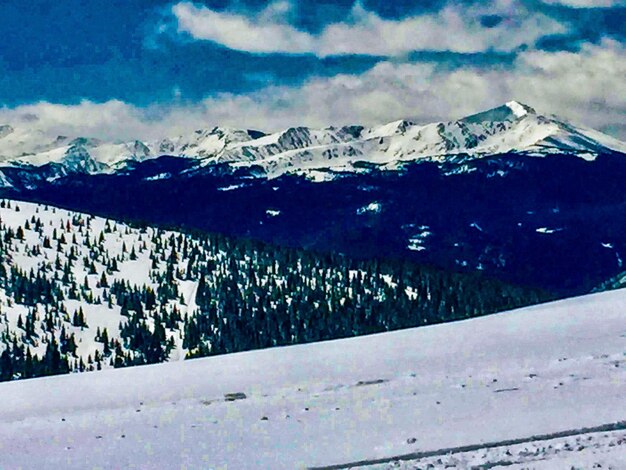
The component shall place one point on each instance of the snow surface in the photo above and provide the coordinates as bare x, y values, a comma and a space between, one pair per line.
272, 212
586, 450
538, 370
373, 208
512, 127
547, 230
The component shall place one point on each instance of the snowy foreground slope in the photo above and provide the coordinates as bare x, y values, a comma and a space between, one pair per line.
540, 370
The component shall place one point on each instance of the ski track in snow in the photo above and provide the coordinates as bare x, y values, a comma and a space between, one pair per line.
533, 371
580, 450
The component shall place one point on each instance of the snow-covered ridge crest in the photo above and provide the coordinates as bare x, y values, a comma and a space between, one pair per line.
512, 127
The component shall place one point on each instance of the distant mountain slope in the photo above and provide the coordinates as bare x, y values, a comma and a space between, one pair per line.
557, 222
512, 127
26, 146
548, 369
78, 292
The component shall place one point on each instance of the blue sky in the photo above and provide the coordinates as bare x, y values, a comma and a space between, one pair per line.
160, 65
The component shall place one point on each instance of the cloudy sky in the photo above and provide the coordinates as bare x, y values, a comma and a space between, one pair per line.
142, 68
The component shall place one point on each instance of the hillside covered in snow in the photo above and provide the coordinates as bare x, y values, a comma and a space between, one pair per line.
80, 293
540, 387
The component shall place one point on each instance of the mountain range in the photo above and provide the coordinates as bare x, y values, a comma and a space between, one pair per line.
512, 127
524, 197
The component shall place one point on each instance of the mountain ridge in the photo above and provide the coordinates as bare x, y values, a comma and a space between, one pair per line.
511, 127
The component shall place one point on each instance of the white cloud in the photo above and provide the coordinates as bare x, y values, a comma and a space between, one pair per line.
585, 87
454, 28
111, 120
266, 33
86, 118
587, 3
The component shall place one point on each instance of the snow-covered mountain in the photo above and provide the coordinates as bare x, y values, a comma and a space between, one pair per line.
513, 127
541, 387
26, 147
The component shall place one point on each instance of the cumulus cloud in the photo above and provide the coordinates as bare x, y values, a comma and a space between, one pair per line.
454, 28
87, 118
267, 32
586, 87
587, 3
112, 120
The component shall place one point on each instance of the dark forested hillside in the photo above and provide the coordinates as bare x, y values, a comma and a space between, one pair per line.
556, 222
78, 292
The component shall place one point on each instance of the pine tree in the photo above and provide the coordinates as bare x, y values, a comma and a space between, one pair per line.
105, 341
6, 365
28, 365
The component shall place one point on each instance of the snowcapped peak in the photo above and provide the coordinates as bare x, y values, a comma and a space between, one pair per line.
511, 111
227, 134
222, 130
85, 142
138, 148
402, 125
392, 128
78, 159
519, 109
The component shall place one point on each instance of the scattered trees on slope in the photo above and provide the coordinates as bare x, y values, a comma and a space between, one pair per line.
248, 295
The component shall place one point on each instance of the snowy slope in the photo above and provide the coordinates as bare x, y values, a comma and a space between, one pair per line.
535, 371
512, 127
82, 234
96, 293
